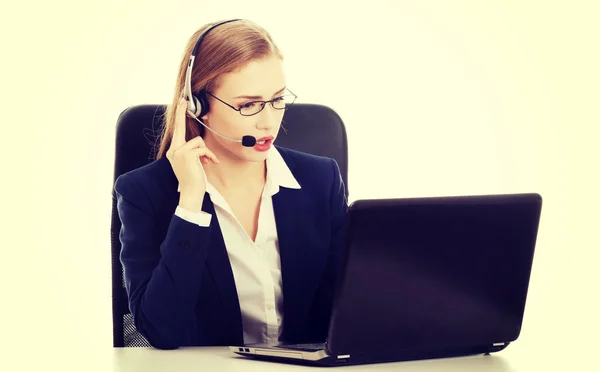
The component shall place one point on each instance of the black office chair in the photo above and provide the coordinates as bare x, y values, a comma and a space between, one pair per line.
310, 128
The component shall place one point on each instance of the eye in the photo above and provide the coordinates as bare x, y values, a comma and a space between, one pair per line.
279, 99
248, 105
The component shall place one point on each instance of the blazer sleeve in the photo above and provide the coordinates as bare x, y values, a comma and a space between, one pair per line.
322, 306
162, 273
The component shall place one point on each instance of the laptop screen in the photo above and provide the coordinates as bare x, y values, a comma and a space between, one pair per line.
434, 272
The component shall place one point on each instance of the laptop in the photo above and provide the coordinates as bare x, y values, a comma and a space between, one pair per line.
424, 278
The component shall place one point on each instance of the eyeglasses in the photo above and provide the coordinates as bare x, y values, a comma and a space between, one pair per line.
254, 107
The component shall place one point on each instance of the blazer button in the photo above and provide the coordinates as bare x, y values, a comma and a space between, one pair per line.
184, 243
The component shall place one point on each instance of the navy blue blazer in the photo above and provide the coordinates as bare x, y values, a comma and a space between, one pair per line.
178, 278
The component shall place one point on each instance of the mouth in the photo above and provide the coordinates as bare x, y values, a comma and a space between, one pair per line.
264, 140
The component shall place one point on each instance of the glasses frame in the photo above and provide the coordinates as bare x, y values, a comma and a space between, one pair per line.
264, 103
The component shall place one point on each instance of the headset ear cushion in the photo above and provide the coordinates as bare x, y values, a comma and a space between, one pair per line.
196, 106
202, 106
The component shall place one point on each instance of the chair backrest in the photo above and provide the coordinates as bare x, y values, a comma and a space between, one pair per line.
310, 128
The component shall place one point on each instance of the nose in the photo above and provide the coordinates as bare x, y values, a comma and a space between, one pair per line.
268, 118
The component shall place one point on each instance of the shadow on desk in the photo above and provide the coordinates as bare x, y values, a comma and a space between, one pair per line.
218, 358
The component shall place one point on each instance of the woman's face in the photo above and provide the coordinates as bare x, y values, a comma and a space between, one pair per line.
261, 79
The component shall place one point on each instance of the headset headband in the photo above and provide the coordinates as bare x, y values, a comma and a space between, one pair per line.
188, 75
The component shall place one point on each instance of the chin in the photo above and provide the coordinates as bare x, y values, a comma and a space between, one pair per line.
249, 154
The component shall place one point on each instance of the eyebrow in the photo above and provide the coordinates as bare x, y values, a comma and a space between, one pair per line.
259, 97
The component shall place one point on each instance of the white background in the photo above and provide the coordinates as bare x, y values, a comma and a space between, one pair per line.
438, 97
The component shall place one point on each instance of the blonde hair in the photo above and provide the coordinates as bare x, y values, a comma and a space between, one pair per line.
226, 48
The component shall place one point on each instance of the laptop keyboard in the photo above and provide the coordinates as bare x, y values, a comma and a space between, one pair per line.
305, 347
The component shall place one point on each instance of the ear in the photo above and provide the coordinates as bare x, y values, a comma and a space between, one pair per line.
205, 118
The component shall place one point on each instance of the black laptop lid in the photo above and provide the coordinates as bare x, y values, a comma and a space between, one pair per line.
427, 273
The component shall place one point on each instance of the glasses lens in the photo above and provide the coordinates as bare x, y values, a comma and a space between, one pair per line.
251, 108
282, 101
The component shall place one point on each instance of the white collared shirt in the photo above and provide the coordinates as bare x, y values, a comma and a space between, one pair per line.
256, 264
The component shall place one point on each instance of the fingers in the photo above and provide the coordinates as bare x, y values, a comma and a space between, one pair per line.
179, 130
198, 142
193, 143
204, 154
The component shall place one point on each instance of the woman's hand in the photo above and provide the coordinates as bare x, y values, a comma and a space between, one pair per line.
186, 159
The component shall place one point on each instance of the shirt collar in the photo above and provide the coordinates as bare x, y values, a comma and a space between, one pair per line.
278, 172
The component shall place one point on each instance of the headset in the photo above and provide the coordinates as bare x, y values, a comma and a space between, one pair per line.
197, 105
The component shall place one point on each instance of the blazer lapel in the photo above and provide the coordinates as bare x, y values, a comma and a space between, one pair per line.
217, 262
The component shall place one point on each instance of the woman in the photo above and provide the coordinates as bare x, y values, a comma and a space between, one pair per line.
224, 243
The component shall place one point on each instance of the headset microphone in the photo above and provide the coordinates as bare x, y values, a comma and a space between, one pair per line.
248, 141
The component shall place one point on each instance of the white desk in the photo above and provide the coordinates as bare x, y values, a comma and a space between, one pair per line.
90, 357
220, 359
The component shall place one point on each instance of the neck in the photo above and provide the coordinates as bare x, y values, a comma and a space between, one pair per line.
231, 173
